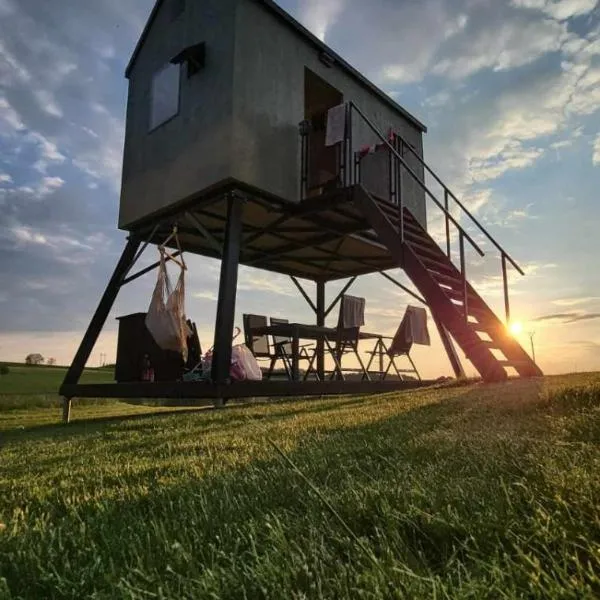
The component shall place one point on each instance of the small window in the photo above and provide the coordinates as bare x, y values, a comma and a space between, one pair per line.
165, 95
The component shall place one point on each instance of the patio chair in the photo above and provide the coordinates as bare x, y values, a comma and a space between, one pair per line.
350, 320
283, 348
259, 344
412, 330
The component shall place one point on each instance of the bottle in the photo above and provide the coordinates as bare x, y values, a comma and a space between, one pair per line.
147, 371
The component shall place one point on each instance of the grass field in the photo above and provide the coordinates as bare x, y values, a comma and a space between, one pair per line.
452, 492
35, 386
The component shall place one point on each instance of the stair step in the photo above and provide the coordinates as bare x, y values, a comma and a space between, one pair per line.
480, 311
436, 265
490, 328
430, 251
451, 280
514, 363
422, 243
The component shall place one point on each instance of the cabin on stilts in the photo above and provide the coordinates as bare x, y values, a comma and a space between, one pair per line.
266, 148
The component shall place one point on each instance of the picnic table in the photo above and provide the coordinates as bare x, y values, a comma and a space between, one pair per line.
328, 335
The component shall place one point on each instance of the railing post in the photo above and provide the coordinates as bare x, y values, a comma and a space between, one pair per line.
446, 206
463, 272
349, 152
304, 129
505, 282
400, 191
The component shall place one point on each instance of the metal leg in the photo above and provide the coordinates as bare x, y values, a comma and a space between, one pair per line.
338, 366
320, 351
295, 357
227, 290
101, 314
413, 366
66, 410
457, 367
361, 363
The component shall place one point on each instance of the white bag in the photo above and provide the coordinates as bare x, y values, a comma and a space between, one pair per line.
166, 314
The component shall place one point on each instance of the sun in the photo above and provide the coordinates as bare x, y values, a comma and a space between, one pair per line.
516, 328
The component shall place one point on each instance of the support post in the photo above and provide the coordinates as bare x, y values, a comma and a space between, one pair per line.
227, 290
321, 323
463, 273
101, 314
505, 283
66, 410
457, 367
447, 218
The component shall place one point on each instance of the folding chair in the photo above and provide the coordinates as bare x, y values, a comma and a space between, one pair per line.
283, 348
412, 330
260, 347
350, 320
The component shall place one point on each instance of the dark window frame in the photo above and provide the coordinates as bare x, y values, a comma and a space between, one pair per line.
151, 126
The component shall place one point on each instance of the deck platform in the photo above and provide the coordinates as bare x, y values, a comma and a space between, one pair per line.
248, 389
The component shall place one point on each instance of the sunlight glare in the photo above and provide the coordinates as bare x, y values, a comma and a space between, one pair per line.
516, 328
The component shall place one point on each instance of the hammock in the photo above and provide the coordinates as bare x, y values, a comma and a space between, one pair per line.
166, 318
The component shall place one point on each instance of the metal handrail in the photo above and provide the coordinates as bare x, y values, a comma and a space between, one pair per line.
416, 178
449, 192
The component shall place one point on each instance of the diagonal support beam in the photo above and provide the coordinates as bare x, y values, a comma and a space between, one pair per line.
148, 269
457, 367
339, 296
205, 233
93, 331
404, 288
304, 294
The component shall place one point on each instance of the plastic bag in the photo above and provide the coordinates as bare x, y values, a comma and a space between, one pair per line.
244, 366
166, 314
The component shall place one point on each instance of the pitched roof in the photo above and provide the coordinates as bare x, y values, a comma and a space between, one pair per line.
310, 38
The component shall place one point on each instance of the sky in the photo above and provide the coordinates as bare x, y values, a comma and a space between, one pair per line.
509, 90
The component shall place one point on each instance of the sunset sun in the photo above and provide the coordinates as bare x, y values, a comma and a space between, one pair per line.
516, 328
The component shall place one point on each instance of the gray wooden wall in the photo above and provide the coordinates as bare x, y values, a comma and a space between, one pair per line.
239, 116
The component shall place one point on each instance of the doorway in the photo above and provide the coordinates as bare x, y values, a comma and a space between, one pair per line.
323, 161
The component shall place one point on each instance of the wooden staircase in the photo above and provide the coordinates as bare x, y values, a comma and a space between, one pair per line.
446, 291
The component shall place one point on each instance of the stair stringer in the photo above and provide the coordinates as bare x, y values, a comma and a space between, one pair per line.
452, 318
446, 311
511, 349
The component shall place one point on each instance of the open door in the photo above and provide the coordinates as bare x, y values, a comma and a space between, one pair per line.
323, 161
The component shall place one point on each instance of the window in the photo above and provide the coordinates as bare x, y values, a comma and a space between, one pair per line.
165, 95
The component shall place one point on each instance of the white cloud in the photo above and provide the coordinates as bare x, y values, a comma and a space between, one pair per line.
474, 200
47, 102
205, 296
561, 144
558, 9
319, 15
575, 301
512, 156
596, 154
5, 178
11, 69
10, 117
513, 43
27, 235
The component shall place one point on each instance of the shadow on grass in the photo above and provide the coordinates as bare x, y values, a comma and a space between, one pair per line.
85, 426
418, 501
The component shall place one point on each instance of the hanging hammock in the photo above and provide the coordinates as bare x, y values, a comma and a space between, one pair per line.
166, 318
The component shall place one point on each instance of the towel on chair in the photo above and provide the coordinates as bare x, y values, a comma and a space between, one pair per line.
412, 330
336, 125
353, 312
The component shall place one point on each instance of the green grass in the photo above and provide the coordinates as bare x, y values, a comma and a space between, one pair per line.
37, 386
452, 492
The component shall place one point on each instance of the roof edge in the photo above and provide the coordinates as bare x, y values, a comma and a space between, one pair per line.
285, 16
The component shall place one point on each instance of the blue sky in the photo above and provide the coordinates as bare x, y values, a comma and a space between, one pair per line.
510, 91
